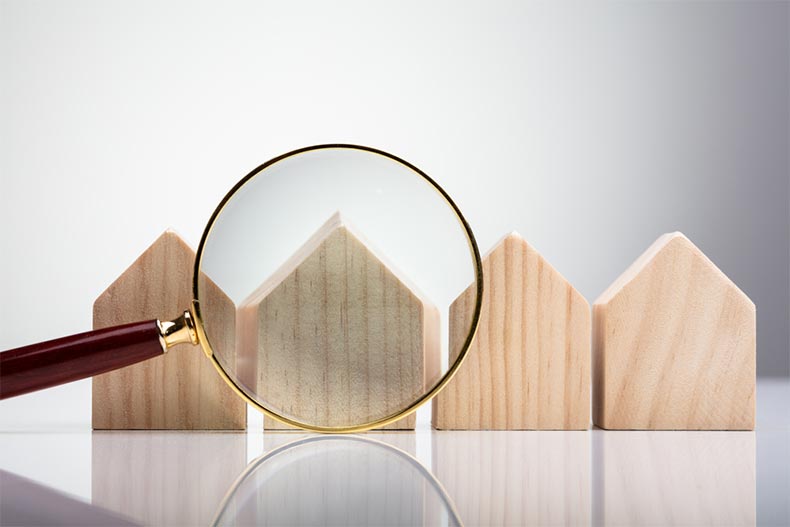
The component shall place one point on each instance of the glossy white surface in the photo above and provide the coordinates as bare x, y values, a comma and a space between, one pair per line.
490, 478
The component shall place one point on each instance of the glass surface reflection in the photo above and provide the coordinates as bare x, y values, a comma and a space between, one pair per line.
674, 478
491, 478
515, 478
165, 478
336, 480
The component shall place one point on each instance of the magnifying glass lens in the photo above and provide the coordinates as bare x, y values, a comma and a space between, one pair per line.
342, 264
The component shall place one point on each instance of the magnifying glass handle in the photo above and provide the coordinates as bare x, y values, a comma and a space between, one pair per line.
67, 359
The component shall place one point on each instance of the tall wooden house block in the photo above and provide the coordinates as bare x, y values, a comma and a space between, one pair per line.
179, 390
529, 366
674, 345
338, 336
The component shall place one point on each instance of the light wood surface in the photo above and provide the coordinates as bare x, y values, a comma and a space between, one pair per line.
338, 336
529, 366
674, 345
179, 390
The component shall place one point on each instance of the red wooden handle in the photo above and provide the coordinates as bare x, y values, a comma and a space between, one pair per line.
68, 359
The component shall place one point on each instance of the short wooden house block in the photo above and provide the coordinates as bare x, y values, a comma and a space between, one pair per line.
529, 366
674, 345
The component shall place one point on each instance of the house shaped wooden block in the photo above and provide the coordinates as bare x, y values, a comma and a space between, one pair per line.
339, 337
529, 366
180, 389
674, 345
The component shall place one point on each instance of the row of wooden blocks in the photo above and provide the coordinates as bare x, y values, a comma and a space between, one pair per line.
669, 345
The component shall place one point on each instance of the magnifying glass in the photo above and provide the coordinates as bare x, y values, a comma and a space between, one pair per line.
341, 262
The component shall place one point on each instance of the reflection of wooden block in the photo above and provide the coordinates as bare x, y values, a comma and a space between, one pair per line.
163, 478
406, 441
332, 481
180, 389
539, 478
529, 366
674, 345
675, 478
339, 336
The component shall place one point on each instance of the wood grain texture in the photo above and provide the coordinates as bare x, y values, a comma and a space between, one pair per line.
179, 390
340, 337
529, 366
674, 345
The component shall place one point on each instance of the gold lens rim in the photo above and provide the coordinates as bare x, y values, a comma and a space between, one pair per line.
206, 345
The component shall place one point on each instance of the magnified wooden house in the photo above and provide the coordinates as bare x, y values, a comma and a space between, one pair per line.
339, 336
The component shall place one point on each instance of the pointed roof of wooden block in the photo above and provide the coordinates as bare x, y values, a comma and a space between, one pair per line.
646, 259
515, 237
335, 222
168, 237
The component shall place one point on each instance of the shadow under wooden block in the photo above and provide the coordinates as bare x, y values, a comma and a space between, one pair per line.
674, 478
674, 345
338, 336
516, 478
529, 366
180, 389
165, 478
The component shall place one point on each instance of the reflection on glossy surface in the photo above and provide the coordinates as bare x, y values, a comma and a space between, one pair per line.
515, 478
492, 478
165, 478
674, 478
402, 440
336, 480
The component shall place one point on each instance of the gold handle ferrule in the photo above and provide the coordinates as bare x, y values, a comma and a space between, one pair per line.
178, 331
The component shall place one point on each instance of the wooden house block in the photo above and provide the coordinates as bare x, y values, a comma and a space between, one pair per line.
529, 366
179, 390
338, 336
674, 345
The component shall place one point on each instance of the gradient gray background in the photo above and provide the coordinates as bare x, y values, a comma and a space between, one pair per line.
590, 129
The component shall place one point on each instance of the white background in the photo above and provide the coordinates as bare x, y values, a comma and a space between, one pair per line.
590, 129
